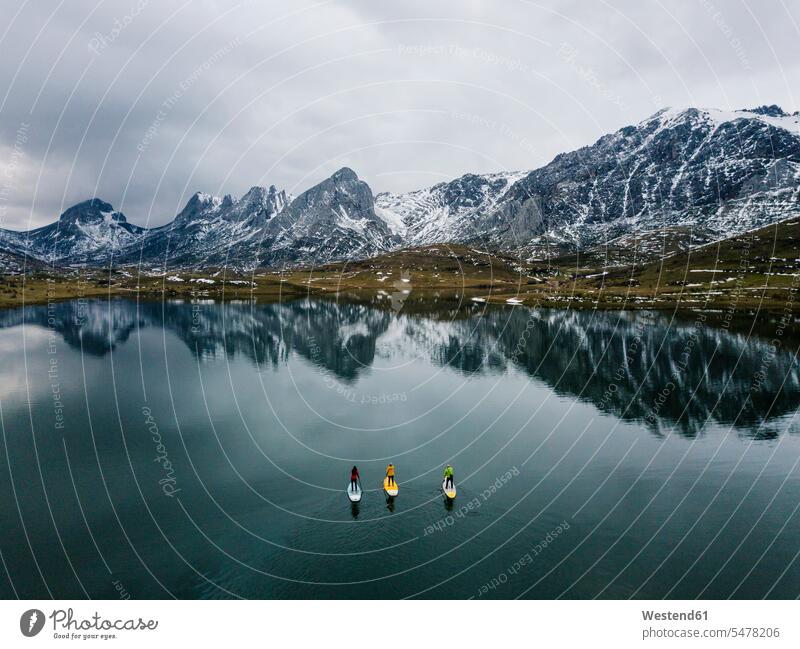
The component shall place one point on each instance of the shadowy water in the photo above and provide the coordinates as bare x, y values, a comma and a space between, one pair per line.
201, 450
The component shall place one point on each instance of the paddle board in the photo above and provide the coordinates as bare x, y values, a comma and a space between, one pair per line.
353, 494
451, 492
390, 490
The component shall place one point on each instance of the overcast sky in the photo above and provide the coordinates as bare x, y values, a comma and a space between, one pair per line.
143, 103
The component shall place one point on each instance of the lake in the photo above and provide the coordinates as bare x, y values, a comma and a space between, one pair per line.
202, 450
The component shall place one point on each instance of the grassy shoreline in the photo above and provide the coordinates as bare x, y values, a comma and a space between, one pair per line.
573, 293
756, 271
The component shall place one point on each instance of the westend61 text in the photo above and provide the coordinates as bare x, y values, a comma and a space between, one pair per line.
673, 615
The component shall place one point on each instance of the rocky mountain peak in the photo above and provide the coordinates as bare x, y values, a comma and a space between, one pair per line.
345, 174
341, 193
256, 194
93, 210
269, 201
711, 118
198, 206
771, 111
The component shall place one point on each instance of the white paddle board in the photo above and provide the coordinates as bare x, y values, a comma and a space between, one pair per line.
451, 492
353, 494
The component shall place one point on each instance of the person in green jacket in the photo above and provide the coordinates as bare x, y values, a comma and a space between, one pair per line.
448, 477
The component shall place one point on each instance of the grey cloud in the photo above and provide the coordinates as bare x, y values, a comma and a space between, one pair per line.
159, 102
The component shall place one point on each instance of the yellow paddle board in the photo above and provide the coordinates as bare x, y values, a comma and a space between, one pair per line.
451, 492
391, 490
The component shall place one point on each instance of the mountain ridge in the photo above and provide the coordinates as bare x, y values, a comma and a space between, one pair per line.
713, 172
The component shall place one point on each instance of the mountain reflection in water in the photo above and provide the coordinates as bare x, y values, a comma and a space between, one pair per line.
664, 371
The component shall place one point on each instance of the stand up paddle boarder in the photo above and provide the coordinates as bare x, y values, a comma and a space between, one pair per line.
389, 483
448, 477
354, 478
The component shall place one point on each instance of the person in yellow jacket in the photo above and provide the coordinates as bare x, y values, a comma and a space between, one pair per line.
390, 473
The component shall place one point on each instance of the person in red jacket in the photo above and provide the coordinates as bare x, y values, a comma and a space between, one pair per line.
354, 478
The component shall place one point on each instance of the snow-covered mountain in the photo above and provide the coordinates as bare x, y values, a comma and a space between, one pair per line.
718, 173
451, 211
211, 231
332, 221
86, 232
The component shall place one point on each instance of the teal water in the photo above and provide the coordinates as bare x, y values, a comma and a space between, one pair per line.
203, 450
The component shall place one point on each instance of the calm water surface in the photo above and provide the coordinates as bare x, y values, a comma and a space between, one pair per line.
202, 450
